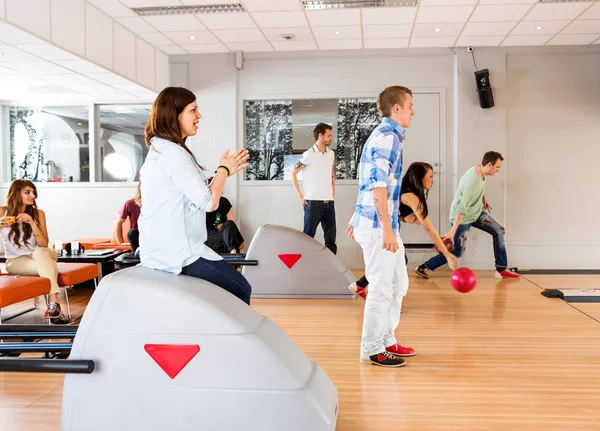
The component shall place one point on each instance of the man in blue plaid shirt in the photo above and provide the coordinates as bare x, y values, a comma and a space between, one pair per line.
376, 228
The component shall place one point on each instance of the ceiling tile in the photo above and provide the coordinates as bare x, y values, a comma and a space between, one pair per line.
172, 49
445, 30
324, 18
444, 14
428, 3
47, 51
250, 46
294, 45
488, 28
340, 44
431, 42
155, 39
81, 66
151, 3
583, 27
387, 31
592, 13
272, 5
479, 41
547, 27
526, 40
12, 35
222, 21
556, 11
301, 33
175, 23
243, 35
505, 2
495, 13
114, 8
337, 33
573, 39
386, 43
136, 25
68, 80
207, 48
280, 19
183, 37
10, 53
109, 78
388, 15
203, 2
36, 68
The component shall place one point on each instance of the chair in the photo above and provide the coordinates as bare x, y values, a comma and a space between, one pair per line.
15, 289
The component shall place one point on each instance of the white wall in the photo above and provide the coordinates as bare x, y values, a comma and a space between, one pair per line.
553, 132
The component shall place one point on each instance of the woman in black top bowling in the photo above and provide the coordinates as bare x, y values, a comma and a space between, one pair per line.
416, 184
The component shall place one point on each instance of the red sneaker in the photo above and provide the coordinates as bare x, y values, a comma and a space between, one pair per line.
400, 350
360, 291
507, 274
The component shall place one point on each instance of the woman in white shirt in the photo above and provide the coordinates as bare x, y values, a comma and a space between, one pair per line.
25, 240
177, 197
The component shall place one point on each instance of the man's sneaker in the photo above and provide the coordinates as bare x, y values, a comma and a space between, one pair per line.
507, 274
422, 271
360, 291
383, 359
399, 350
55, 315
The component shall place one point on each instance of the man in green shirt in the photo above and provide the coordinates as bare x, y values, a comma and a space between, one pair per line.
469, 209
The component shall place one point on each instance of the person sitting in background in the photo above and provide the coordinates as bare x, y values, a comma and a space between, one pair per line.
25, 239
223, 234
130, 209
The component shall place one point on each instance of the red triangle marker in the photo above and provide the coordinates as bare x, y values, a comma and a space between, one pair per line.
289, 259
172, 358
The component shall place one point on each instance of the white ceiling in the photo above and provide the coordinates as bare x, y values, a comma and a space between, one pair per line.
32, 69
434, 23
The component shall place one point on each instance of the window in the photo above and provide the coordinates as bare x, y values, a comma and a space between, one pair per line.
121, 146
277, 132
49, 144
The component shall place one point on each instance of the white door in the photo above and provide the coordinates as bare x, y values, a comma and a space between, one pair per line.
422, 144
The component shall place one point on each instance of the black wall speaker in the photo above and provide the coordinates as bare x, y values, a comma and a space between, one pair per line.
486, 97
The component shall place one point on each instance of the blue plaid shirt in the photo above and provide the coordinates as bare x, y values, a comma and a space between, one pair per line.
380, 166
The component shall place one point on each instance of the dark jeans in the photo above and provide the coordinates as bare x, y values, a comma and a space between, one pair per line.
133, 236
222, 274
316, 212
364, 282
226, 239
485, 223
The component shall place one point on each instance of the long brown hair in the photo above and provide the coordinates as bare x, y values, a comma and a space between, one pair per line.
164, 118
13, 205
137, 199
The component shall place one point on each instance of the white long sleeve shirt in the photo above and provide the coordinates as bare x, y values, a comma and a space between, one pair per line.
175, 200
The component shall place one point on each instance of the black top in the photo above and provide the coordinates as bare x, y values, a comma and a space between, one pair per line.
405, 210
218, 216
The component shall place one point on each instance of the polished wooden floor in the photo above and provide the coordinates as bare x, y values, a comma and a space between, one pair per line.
502, 357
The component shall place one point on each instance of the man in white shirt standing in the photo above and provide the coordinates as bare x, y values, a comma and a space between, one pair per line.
317, 164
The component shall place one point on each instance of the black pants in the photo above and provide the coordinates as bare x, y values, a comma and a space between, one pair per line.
133, 236
363, 282
226, 239
222, 274
316, 212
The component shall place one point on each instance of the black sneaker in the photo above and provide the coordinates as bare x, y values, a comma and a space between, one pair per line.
422, 271
384, 359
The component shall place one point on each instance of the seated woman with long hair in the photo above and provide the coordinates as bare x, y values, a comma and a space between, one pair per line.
176, 196
25, 239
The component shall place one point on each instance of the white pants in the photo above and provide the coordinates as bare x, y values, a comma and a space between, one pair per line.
388, 284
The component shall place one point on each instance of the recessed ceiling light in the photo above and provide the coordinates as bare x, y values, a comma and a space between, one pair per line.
79, 124
539, 27
437, 29
192, 37
337, 32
